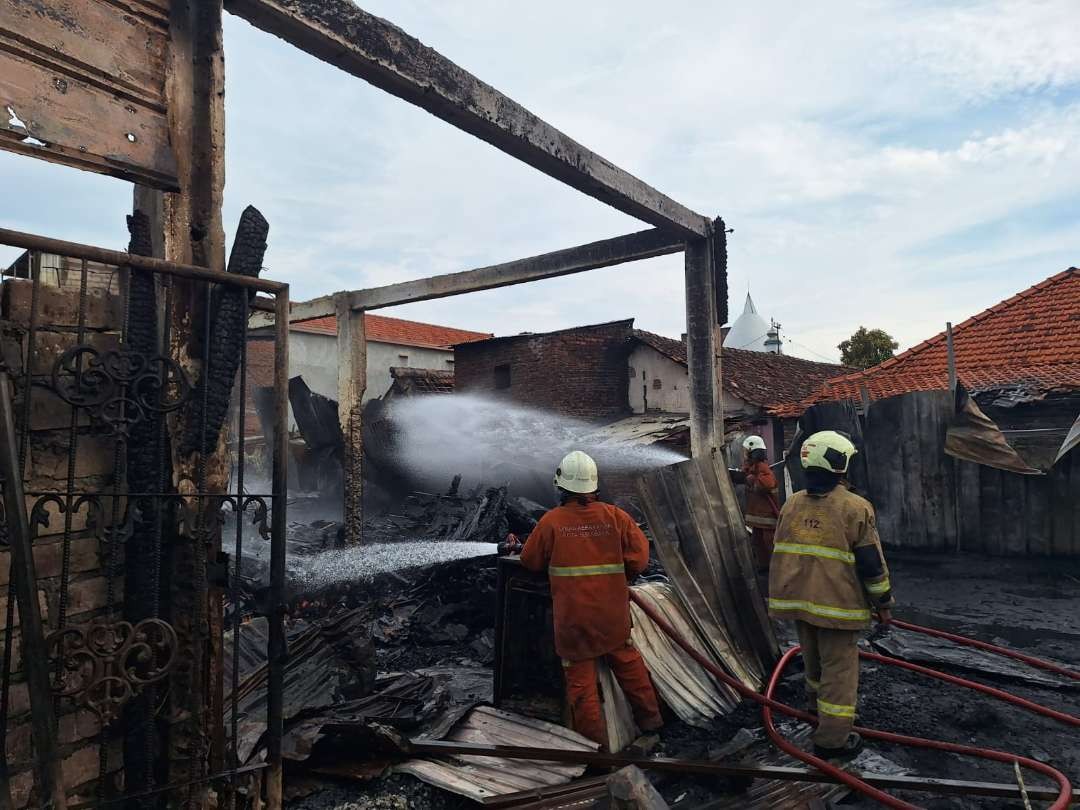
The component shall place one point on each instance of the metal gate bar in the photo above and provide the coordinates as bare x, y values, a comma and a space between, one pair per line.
149, 499
31, 631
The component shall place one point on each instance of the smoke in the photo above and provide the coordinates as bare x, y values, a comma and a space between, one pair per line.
493, 442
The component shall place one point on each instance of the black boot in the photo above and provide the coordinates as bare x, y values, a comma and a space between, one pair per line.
849, 750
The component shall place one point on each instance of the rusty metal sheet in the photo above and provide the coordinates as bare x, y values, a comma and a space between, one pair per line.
482, 778
82, 82
682, 683
701, 539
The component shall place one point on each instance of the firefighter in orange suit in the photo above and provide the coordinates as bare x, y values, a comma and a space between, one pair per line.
828, 575
591, 550
761, 508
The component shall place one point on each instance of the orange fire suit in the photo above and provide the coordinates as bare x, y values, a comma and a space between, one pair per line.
761, 488
590, 552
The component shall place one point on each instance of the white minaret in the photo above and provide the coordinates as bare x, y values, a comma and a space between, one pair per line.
772, 339
750, 331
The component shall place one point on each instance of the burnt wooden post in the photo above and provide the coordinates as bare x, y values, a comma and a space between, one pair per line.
189, 226
703, 349
352, 382
24, 576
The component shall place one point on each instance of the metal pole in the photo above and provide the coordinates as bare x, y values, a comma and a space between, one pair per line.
951, 353
75, 250
23, 573
277, 652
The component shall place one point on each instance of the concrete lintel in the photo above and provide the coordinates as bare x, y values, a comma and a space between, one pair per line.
366, 46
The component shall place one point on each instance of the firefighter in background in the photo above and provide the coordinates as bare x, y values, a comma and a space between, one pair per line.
591, 550
761, 507
828, 575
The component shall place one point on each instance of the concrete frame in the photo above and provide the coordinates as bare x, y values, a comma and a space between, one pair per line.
372, 49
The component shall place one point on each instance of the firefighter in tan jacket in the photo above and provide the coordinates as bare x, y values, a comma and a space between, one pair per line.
829, 575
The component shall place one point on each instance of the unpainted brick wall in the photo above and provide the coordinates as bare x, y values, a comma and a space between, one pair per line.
46, 471
576, 372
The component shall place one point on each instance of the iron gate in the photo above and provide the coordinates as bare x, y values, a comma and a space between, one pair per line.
126, 434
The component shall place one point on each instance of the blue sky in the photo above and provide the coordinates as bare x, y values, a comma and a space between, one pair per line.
893, 164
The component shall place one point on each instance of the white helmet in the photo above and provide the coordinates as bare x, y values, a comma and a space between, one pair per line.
577, 473
751, 443
827, 450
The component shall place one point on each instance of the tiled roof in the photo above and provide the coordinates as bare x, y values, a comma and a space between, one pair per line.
424, 380
669, 347
759, 378
1030, 340
382, 329
773, 380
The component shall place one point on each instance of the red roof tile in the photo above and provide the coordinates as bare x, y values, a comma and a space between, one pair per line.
759, 378
395, 330
1031, 339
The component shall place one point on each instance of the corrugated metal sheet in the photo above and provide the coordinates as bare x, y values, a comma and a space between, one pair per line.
702, 541
480, 778
691, 692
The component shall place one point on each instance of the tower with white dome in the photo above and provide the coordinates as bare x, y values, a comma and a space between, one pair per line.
752, 332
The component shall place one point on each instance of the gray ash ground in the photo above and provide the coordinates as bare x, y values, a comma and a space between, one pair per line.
444, 615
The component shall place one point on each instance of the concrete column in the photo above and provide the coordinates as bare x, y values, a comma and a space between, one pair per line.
352, 382
703, 350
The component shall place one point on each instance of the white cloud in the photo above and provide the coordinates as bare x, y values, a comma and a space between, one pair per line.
855, 149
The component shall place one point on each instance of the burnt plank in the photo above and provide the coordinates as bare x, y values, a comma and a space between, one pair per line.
1037, 523
990, 511
79, 124
968, 496
1014, 517
93, 41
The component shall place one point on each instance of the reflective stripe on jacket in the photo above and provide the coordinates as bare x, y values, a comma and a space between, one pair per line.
589, 551
827, 567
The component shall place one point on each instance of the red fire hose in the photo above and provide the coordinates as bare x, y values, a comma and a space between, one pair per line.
769, 705
982, 645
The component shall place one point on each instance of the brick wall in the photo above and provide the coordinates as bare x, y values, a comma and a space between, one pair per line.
47, 470
578, 372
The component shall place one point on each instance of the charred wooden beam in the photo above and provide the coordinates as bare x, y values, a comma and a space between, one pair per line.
605, 253
373, 49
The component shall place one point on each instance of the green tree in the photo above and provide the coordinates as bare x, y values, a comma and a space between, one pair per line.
867, 347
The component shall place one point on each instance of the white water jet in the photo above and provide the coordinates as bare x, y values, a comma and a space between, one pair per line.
364, 563
491, 441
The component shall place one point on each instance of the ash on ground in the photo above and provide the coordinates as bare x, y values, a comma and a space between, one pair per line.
430, 606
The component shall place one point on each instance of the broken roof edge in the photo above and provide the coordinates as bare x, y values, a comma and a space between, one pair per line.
628, 322
941, 337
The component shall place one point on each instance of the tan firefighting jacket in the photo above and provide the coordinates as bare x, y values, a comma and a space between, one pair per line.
828, 568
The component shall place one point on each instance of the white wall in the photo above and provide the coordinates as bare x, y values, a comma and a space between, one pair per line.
314, 357
673, 396
646, 366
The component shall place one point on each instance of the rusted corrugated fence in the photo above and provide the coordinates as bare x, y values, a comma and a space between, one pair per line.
926, 500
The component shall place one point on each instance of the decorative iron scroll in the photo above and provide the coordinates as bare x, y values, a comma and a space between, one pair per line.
104, 665
119, 387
